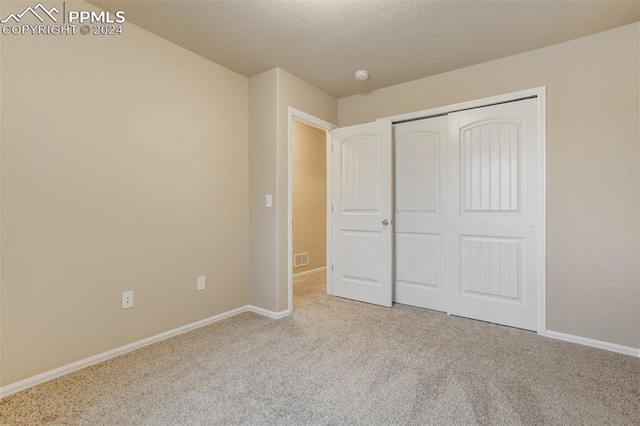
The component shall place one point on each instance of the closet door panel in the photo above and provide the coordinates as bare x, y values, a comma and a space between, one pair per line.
418, 212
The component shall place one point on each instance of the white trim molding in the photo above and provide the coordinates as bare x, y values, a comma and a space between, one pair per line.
613, 347
446, 109
295, 114
310, 271
78, 365
268, 313
541, 94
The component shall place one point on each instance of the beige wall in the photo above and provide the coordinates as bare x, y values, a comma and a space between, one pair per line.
593, 191
124, 167
271, 95
309, 195
263, 95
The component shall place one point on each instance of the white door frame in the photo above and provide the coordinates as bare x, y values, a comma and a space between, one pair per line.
541, 95
310, 120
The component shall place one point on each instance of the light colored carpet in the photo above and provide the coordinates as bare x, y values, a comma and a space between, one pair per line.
336, 361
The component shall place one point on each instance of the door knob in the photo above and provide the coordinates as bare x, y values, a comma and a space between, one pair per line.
385, 222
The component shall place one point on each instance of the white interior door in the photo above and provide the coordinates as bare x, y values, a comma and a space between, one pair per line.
362, 213
420, 222
494, 237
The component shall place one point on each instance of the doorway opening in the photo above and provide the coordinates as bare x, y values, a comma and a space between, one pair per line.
309, 211
309, 146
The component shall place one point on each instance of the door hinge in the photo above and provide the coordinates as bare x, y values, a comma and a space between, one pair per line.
331, 268
331, 208
331, 147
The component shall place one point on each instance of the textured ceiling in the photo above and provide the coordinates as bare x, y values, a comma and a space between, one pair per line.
324, 42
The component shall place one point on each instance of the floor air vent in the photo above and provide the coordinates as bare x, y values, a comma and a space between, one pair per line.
300, 259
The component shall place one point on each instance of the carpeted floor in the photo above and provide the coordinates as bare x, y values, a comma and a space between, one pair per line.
336, 361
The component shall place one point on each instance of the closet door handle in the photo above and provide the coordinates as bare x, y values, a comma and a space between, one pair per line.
385, 222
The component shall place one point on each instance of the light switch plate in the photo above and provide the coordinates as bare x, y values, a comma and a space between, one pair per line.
200, 285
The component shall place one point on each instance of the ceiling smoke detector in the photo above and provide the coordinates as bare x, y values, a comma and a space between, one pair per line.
362, 75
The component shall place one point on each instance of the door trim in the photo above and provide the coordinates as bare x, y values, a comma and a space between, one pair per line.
540, 93
295, 114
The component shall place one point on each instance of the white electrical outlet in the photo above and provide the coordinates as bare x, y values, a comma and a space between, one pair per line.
200, 284
127, 300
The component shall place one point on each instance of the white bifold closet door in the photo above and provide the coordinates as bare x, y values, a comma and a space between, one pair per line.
467, 198
494, 265
420, 221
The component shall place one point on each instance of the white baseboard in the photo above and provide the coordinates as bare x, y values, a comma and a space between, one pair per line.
309, 272
66, 369
626, 350
268, 313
